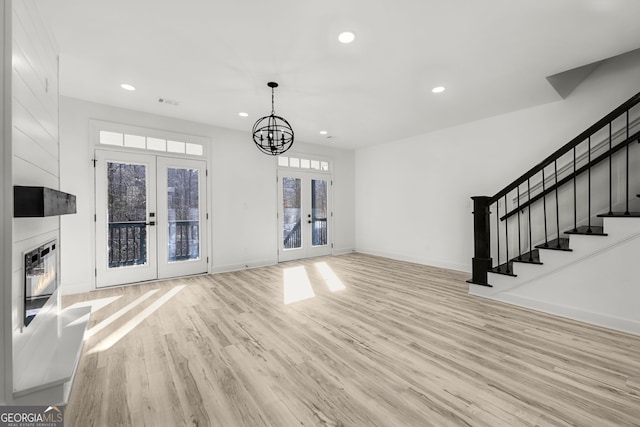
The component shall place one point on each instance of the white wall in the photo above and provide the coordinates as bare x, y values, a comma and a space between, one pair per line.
242, 189
5, 194
413, 195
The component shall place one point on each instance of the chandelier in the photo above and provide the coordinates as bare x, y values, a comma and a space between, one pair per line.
272, 134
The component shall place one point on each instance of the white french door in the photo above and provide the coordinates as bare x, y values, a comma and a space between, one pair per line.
304, 217
150, 217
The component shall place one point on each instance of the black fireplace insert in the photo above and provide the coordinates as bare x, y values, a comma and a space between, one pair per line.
40, 278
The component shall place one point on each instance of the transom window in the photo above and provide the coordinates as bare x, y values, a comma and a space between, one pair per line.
124, 136
303, 162
149, 143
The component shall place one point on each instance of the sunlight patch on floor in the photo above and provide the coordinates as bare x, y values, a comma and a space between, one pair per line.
118, 314
95, 304
330, 278
121, 332
297, 286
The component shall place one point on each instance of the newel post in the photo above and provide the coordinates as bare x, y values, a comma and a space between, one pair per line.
482, 261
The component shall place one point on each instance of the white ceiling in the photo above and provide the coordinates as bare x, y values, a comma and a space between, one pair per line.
216, 56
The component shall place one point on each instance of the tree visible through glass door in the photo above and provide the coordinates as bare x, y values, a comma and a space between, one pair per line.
183, 222
127, 212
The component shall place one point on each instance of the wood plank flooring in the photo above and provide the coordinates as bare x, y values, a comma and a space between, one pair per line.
401, 345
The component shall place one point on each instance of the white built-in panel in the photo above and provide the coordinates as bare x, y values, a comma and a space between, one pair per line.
35, 156
27, 150
27, 173
6, 301
39, 59
26, 122
40, 112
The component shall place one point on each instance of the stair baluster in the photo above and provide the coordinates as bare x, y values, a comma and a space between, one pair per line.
610, 174
506, 232
544, 211
555, 173
519, 230
529, 210
589, 231
626, 212
575, 194
498, 231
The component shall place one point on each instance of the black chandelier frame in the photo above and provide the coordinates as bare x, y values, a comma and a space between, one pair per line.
273, 134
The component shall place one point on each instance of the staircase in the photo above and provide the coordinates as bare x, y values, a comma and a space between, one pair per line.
565, 236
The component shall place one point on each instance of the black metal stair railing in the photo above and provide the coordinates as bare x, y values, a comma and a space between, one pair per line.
572, 180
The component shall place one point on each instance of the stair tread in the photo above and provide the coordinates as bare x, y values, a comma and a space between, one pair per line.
561, 244
620, 215
502, 269
596, 230
532, 257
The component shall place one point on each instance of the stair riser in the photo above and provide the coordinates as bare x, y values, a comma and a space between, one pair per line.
583, 243
618, 228
525, 272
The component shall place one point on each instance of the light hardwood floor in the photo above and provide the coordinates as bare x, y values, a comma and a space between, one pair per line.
401, 345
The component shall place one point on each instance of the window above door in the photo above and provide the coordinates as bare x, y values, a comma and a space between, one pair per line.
128, 137
305, 162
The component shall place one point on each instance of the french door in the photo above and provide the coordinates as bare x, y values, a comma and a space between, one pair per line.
304, 217
150, 217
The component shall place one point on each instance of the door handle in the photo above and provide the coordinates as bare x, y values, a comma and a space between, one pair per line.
150, 223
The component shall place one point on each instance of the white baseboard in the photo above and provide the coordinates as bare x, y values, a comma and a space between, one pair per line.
242, 266
418, 260
343, 251
598, 319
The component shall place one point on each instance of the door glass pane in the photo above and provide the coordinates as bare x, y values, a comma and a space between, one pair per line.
292, 215
127, 214
183, 207
318, 212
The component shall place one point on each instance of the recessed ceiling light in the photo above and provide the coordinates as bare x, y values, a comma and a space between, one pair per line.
323, 132
243, 114
438, 89
346, 37
126, 86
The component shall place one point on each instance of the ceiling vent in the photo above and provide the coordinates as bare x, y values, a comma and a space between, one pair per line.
169, 101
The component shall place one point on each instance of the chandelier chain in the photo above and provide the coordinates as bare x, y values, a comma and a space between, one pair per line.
273, 111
